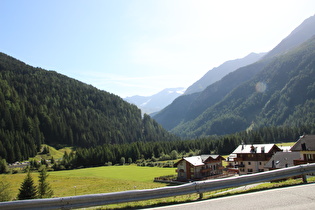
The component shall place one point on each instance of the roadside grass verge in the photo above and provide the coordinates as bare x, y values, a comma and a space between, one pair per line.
122, 178
208, 195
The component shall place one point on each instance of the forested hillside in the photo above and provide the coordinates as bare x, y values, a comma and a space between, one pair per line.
39, 106
281, 94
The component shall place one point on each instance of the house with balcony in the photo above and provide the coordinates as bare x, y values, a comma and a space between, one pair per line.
199, 167
251, 158
306, 147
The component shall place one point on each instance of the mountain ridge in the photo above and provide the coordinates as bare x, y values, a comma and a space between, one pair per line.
299, 35
222, 70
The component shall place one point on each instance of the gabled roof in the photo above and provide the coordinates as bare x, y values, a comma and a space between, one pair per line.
305, 143
282, 160
254, 148
194, 160
212, 157
200, 160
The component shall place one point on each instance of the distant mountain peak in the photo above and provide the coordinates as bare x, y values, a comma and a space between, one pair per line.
156, 102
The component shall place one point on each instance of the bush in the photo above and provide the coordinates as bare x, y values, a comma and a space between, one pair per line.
5, 194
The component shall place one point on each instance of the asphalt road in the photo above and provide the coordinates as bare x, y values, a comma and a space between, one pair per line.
289, 198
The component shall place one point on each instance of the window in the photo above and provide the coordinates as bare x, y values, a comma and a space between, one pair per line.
309, 157
249, 170
249, 163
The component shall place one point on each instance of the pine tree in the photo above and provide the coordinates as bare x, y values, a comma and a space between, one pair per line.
52, 160
28, 188
44, 188
4, 168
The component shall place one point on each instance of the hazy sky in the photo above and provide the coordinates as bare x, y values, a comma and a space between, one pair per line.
139, 47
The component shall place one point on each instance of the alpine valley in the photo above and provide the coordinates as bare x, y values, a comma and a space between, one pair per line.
260, 98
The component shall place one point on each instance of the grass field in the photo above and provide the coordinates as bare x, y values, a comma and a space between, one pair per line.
95, 180
57, 154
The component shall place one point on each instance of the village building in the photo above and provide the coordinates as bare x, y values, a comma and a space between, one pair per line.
282, 160
251, 158
199, 167
306, 148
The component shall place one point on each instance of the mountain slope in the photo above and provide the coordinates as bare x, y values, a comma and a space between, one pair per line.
286, 97
39, 106
216, 92
219, 72
175, 113
188, 107
156, 102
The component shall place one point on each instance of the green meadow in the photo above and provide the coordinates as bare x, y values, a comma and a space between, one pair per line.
95, 180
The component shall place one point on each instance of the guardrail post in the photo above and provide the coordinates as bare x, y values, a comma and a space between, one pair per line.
200, 196
303, 174
197, 188
304, 178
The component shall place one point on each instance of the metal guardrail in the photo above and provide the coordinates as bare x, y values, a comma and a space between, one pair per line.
138, 195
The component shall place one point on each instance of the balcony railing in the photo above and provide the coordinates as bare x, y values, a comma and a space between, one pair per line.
205, 170
301, 162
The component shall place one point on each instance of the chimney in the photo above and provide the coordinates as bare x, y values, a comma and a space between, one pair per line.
303, 145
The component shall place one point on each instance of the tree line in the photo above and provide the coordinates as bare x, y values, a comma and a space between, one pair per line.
150, 152
112, 154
